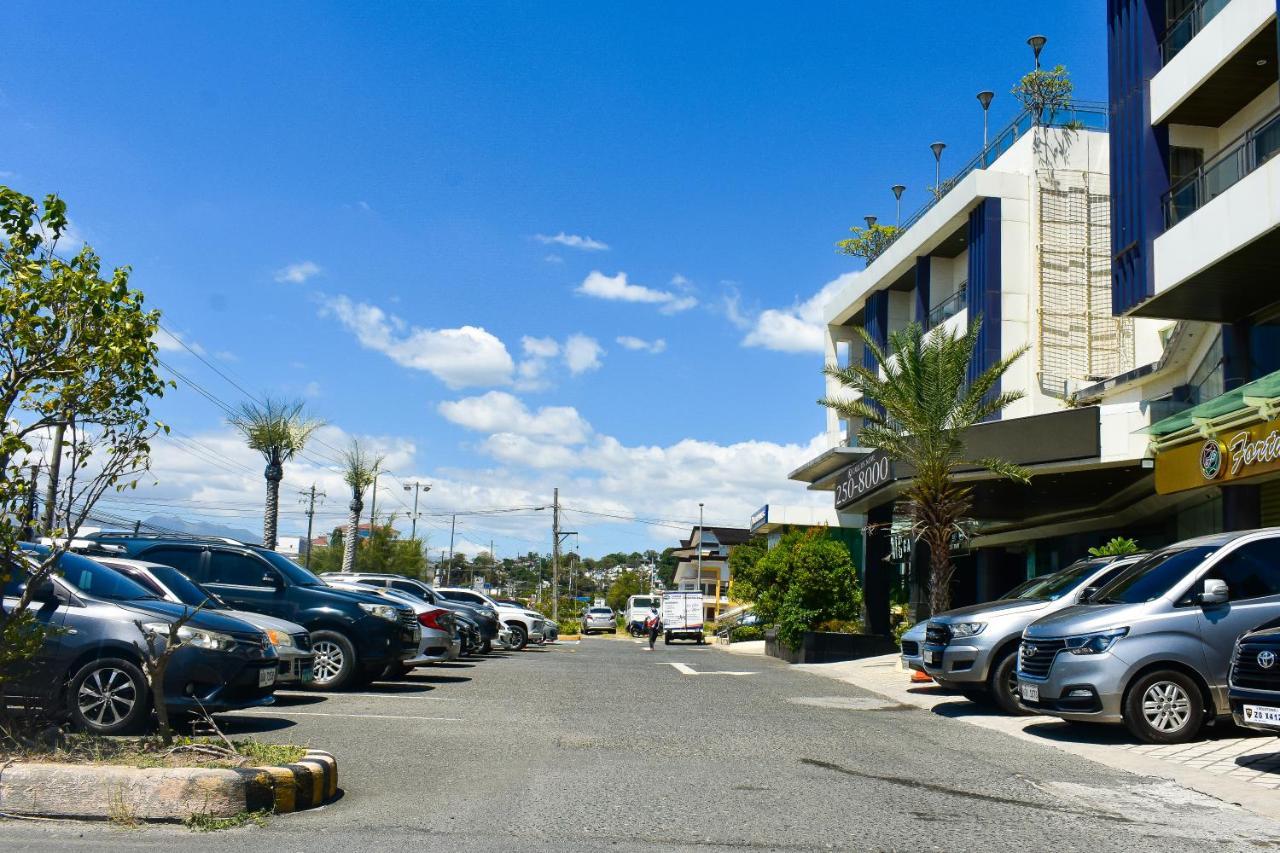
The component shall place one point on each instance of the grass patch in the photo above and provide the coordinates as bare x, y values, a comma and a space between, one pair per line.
151, 752
208, 823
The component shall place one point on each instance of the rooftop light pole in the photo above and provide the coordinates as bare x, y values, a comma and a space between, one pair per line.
871, 222
984, 98
1037, 44
937, 158
898, 190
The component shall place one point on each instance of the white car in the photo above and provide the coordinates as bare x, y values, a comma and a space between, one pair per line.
526, 625
439, 637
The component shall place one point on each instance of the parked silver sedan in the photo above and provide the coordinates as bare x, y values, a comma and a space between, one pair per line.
599, 619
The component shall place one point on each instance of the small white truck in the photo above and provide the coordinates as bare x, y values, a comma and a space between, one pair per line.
638, 611
682, 616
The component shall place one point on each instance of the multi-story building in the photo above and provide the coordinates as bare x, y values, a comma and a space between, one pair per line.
702, 563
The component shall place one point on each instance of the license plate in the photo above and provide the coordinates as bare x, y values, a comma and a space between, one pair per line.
931, 658
1030, 692
307, 674
266, 677
1262, 714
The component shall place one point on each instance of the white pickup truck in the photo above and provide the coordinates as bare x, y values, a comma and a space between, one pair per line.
526, 625
682, 616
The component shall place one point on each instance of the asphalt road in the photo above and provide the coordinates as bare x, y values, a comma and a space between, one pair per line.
605, 745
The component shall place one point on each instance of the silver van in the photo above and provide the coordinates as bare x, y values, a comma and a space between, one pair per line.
1152, 649
974, 649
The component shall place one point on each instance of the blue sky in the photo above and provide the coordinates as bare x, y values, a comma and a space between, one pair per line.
371, 206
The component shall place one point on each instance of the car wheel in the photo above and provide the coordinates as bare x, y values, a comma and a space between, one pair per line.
666, 639
336, 665
1164, 707
519, 636
109, 696
1003, 685
486, 647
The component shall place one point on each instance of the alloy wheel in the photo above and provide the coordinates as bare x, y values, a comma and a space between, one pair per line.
1166, 706
107, 696
329, 660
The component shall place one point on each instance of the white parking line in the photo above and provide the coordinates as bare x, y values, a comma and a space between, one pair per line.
356, 716
369, 695
685, 669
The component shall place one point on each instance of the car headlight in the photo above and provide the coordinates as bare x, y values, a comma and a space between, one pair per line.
279, 639
382, 611
1095, 644
198, 637
967, 629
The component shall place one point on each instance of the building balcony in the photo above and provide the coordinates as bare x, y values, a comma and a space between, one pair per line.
1218, 57
949, 307
1224, 170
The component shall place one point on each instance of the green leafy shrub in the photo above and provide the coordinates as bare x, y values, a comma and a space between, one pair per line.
1117, 547
746, 633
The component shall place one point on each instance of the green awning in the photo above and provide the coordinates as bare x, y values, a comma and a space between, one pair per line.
1268, 387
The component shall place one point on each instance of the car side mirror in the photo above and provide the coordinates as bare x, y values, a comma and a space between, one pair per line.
45, 592
273, 580
1087, 593
1215, 592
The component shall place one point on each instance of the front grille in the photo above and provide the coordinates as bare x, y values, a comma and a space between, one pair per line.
936, 634
302, 641
407, 619
910, 648
1246, 672
1038, 665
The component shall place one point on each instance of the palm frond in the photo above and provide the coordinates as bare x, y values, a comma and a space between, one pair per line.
359, 467
1004, 468
278, 429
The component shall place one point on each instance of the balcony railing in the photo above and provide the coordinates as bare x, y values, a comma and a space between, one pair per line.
1182, 31
1080, 115
949, 307
1223, 171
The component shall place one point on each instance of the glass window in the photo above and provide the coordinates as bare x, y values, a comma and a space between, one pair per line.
90, 576
1054, 586
413, 589
1250, 571
17, 577
185, 560
238, 569
187, 591
297, 575
1207, 380
1153, 576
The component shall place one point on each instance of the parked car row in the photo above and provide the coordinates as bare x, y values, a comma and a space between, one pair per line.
1163, 642
254, 620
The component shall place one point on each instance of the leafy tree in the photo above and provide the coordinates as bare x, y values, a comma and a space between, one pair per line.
923, 405
868, 243
1045, 93
76, 354
383, 552
278, 430
1117, 547
623, 587
667, 564
329, 558
359, 470
806, 579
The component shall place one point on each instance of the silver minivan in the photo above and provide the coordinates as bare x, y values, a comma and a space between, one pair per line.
974, 649
1152, 649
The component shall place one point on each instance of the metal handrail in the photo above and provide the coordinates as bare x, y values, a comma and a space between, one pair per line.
949, 307
1224, 170
1180, 32
1088, 115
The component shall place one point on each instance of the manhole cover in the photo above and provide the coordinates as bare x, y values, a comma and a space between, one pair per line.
847, 703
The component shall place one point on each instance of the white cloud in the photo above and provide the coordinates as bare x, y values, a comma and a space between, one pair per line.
297, 273
459, 357
540, 347
641, 345
169, 341
582, 353
572, 241
227, 356
798, 328
616, 288
553, 259
500, 412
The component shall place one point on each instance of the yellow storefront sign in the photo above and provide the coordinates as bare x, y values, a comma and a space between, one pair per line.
1233, 455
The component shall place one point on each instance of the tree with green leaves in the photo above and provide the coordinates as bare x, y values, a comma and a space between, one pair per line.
1045, 93
915, 405
868, 243
359, 468
1118, 546
77, 354
278, 430
625, 585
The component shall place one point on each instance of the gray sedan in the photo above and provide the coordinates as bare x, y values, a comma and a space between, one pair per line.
599, 619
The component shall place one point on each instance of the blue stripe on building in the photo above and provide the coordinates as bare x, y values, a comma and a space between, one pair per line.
923, 271
984, 284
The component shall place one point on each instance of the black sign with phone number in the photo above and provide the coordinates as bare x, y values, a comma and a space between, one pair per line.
863, 477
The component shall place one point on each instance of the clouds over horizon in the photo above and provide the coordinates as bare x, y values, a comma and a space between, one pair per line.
572, 241
641, 345
616, 288
297, 273
798, 328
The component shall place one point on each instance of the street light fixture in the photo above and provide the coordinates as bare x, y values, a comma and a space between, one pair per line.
871, 221
937, 157
1037, 43
415, 487
984, 98
898, 190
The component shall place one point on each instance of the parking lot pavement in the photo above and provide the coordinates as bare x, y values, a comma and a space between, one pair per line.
606, 744
1228, 762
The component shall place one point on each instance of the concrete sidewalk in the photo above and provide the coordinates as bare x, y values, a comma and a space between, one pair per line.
1228, 763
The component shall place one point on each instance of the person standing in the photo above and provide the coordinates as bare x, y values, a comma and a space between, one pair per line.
653, 624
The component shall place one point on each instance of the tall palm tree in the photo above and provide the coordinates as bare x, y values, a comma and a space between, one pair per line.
923, 403
278, 430
359, 467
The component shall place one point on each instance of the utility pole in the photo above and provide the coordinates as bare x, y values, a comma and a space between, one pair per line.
310, 495
373, 508
699, 546
557, 536
55, 468
453, 527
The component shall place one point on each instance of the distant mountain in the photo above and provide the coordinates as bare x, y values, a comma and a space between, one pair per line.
173, 524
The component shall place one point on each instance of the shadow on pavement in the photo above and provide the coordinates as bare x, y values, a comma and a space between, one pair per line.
298, 700
233, 725
452, 665
410, 684
443, 679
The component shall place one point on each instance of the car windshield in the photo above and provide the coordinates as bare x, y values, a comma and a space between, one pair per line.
600, 611
642, 602
1054, 586
93, 578
400, 595
187, 591
1153, 576
296, 574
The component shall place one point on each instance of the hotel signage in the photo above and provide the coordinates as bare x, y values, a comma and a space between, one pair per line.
1234, 455
759, 518
863, 477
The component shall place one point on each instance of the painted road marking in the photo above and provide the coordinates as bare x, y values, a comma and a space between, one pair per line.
357, 716
685, 669
332, 696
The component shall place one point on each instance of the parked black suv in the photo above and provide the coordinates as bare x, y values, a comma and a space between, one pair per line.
1255, 679
355, 637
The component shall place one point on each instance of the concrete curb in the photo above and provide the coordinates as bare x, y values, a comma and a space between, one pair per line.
105, 792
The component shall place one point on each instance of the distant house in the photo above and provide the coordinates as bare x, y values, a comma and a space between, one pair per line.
713, 545
322, 541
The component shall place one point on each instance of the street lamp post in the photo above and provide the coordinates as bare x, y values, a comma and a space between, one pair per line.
898, 190
984, 98
415, 487
937, 159
700, 535
1037, 43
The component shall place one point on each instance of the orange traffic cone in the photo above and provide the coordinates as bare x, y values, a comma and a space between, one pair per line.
920, 677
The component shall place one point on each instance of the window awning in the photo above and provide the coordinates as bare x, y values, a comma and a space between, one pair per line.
1255, 396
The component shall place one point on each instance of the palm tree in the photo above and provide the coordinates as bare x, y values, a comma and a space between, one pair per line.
359, 468
923, 403
278, 430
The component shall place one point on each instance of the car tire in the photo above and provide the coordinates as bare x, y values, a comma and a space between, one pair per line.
109, 696
336, 666
486, 647
614, 632
1002, 684
1164, 706
666, 639
520, 636
976, 695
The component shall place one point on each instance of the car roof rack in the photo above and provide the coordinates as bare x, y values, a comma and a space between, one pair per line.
189, 537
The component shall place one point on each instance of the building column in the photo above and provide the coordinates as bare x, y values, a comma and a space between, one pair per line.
984, 291
875, 571
924, 303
